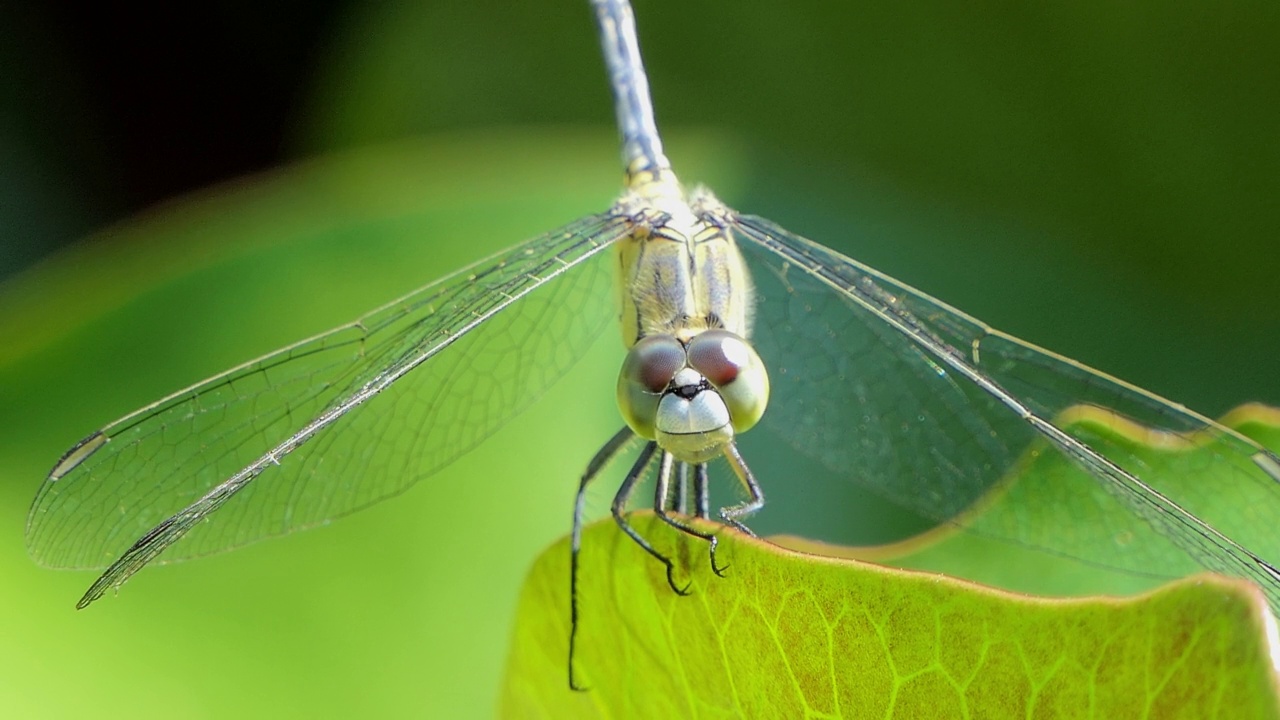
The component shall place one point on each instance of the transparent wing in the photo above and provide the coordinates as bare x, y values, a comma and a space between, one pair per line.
334, 423
889, 388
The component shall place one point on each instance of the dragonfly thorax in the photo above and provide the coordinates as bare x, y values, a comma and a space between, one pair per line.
679, 270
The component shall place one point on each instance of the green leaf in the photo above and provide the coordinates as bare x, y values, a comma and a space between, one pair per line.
1066, 521
791, 635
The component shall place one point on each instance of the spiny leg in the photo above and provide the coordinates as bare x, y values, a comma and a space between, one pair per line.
623, 498
602, 458
659, 506
681, 501
731, 513
702, 491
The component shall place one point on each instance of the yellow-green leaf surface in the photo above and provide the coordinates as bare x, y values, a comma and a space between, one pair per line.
787, 635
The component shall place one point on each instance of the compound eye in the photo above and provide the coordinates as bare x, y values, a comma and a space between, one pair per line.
719, 355
650, 365
653, 361
730, 364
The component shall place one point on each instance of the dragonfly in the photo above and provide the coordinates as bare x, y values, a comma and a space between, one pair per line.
734, 327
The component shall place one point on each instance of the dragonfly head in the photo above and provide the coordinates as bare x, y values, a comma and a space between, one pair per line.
692, 397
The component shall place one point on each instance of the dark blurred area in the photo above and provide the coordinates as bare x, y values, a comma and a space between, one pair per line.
106, 109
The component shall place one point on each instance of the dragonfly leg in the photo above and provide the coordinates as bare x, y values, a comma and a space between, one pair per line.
623, 498
733, 513
602, 458
659, 507
681, 490
702, 491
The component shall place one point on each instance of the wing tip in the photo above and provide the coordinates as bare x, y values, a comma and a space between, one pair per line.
1269, 463
78, 453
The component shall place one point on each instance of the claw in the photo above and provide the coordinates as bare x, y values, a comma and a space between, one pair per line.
716, 567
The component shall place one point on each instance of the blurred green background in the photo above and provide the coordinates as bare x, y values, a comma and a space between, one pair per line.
1097, 178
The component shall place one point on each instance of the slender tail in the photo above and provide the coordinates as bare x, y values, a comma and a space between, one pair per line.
642, 155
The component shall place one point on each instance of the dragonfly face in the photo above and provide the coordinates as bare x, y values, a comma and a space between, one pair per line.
692, 397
